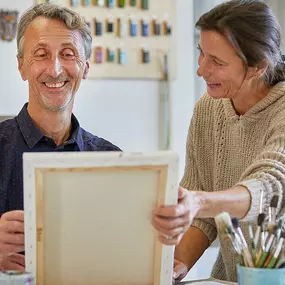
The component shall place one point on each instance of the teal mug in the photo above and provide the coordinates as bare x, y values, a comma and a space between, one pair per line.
260, 276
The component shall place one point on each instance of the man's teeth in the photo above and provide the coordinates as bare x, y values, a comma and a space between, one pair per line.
55, 85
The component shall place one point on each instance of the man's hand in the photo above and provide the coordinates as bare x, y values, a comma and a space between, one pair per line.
13, 261
12, 232
180, 270
173, 221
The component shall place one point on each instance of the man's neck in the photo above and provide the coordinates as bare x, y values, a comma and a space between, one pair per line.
56, 125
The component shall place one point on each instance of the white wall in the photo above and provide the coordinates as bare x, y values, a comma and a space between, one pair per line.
278, 7
124, 112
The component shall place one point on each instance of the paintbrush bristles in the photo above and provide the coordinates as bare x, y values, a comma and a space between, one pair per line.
274, 201
223, 222
260, 219
227, 233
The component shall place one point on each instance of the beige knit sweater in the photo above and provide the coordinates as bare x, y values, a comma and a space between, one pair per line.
224, 149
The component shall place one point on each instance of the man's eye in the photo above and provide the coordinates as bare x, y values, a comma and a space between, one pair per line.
40, 53
68, 55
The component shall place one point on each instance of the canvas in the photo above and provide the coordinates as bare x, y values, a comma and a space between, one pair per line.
88, 217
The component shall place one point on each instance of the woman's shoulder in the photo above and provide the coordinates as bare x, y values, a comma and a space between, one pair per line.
206, 104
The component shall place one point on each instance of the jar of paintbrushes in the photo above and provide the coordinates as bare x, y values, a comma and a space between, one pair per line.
261, 260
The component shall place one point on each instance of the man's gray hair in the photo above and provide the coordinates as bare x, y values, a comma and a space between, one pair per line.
72, 20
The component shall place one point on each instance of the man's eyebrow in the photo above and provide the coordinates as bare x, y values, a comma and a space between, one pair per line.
213, 56
44, 45
68, 44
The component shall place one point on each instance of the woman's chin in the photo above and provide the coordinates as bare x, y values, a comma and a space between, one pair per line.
215, 94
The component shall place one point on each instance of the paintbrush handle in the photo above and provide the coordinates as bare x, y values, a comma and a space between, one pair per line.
262, 259
256, 237
248, 258
272, 262
268, 260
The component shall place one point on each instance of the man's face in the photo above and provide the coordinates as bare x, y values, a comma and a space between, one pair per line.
53, 62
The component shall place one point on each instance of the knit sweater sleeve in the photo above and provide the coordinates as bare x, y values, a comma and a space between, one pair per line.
267, 173
190, 181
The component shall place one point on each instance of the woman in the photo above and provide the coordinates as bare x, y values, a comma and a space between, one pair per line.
236, 140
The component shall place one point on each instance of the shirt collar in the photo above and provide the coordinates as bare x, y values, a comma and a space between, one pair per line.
27, 127
76, 133
33, 135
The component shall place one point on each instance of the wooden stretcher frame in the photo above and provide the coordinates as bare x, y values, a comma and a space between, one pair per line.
49, 177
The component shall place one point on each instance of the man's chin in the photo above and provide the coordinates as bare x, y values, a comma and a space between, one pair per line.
59, 107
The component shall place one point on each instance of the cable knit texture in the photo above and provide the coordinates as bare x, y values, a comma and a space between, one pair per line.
225, 149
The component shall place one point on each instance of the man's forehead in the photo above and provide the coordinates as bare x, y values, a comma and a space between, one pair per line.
43, 31
44, 26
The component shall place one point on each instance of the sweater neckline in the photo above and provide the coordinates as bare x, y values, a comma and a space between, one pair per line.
273, 95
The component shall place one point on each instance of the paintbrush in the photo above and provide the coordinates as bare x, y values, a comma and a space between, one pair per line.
227, 233
273, 209
260, 261
251, 239
259, 230
245, 251
272, 212
281, 258
273, 256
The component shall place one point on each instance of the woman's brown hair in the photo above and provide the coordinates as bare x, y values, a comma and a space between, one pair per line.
254, 32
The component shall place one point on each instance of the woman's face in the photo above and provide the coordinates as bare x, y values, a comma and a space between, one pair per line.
221, 67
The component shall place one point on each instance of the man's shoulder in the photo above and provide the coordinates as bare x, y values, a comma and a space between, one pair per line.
96, 143
7, 129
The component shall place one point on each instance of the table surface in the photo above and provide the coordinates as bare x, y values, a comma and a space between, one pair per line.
210, 281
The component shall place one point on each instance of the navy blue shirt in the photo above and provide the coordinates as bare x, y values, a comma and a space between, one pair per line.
19, 135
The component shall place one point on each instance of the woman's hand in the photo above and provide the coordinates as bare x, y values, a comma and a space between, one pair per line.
180, 270
173, 221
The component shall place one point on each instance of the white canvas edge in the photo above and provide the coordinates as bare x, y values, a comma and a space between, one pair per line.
33, 161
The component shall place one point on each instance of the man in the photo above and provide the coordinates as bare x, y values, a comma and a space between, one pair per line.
53, 56
54, 48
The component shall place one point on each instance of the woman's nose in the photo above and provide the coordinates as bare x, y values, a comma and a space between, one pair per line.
204, 69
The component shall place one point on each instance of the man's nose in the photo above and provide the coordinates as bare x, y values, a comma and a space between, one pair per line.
55, 67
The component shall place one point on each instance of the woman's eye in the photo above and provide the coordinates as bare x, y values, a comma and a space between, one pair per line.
200, 50
217, 63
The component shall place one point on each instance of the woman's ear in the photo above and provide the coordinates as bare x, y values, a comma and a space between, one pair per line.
261, 68
258, 70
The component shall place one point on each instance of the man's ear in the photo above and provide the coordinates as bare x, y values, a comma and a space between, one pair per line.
86, 70
21, 68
